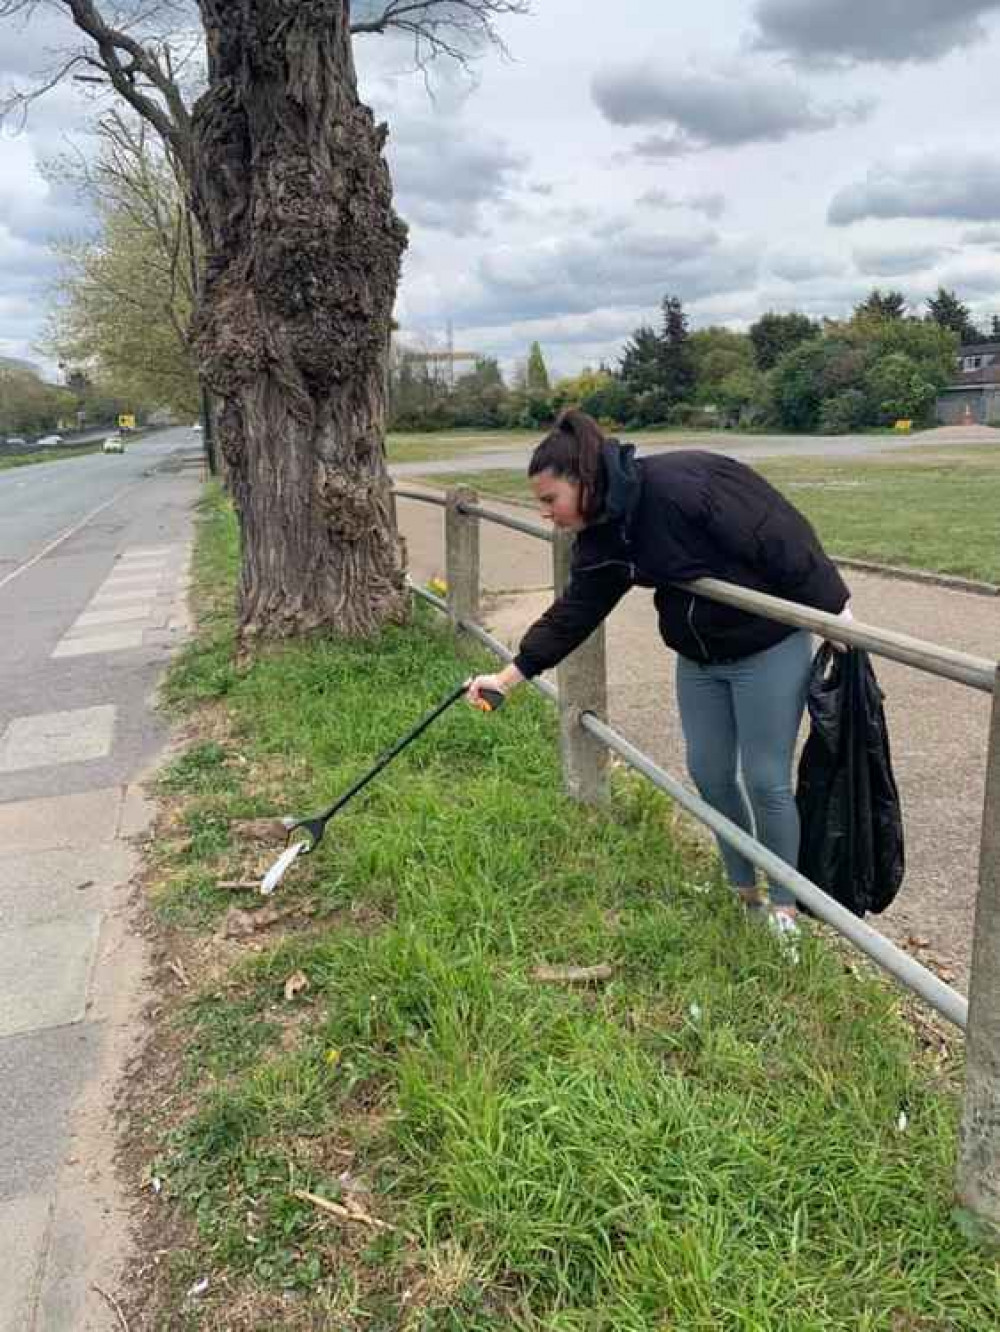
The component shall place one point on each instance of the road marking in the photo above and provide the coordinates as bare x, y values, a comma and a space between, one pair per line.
83, 647
65, 536
124, 613
103, 598
57, 737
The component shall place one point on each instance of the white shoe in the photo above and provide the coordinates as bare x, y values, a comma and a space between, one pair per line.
786, 930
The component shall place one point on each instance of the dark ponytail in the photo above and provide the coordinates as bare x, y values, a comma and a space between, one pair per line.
574, 449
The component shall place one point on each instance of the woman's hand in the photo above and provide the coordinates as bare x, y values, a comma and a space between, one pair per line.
503, 682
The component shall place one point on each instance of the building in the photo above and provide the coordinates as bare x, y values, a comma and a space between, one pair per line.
974, 397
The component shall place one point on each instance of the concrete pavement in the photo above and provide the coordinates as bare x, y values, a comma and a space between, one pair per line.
92, 604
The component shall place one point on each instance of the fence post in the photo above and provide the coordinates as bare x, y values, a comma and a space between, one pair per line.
583, 687
461, 538
978, 1179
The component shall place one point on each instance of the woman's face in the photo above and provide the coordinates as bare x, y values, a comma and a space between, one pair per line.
559, 500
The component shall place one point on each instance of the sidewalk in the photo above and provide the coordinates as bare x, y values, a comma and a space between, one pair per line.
94, 625
938, 729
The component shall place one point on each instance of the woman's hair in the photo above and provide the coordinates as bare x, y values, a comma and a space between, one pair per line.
573, 449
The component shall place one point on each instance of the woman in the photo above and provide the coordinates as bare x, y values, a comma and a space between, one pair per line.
741, 679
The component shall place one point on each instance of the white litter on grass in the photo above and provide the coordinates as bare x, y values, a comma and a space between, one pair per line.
902, 1122
277, 871
198, 1289
695, 1012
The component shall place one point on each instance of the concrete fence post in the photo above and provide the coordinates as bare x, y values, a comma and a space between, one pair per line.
978, 1179
461, 538
583, 687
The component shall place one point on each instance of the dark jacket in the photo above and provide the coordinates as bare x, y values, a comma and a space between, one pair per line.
670, 519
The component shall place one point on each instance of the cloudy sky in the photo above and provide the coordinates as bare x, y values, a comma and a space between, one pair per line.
746, 155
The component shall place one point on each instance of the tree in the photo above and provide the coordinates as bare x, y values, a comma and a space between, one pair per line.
880, 304
126, 297
641, 375
775, 334
946, 310
537, 374
29, 406
285, 174
677, 359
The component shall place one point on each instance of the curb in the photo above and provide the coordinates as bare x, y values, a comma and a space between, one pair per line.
949, 581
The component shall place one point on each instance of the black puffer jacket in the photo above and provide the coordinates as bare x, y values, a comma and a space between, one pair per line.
672, 518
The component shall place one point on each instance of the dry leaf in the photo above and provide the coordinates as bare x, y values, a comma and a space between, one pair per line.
295, 984
240, 924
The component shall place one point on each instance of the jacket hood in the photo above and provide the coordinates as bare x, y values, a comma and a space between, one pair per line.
624, 482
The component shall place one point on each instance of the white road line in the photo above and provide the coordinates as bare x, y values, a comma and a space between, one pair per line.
65, 536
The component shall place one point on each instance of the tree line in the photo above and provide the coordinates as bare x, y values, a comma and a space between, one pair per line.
786, 372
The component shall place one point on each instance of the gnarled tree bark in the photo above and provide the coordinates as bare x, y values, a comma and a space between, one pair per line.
303, 251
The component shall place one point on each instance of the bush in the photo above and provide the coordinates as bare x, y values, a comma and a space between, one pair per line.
842, 414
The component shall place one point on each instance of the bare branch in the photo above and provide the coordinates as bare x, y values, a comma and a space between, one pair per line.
456, 29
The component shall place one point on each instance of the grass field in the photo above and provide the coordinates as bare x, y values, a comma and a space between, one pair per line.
8, 460
713, 1141
935, 512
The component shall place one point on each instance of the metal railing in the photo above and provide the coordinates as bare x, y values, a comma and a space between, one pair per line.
587, 739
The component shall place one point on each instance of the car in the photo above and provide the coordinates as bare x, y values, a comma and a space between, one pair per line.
16, 442
196, 426
48, 441
113, 444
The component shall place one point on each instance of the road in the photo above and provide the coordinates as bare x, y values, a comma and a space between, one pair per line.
93, 562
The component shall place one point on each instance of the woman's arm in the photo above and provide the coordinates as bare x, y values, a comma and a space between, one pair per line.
590, 596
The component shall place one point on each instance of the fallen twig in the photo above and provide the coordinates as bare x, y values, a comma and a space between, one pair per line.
352, 1212
604, 971
177, 967
114, 1304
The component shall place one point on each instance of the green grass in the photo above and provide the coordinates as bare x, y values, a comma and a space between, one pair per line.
711, 1142
933, 512
8, 460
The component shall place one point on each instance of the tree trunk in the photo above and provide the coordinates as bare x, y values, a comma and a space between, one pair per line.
303, 251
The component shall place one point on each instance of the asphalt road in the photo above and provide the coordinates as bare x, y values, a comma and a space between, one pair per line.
40, 502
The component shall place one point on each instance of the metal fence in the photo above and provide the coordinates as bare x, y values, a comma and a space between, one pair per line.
587, 740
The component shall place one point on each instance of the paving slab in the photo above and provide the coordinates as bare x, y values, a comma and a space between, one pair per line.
40, 1077
45, 971
73, 736
72, 821
24, 1225
41, 886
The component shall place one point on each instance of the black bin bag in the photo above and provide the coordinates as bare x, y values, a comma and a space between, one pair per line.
852, 821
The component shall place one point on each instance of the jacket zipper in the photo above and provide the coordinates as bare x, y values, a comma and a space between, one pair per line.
694, 631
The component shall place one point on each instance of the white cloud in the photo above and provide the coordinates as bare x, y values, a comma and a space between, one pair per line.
889, 31
956, 182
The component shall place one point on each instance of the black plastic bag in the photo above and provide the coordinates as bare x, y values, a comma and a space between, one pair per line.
852, 821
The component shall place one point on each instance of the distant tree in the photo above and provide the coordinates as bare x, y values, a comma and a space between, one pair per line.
880, 304
808, 375
478, 397
948, 311
897, 389
537, 375
717, 354
775, 334
29, 406
677, 358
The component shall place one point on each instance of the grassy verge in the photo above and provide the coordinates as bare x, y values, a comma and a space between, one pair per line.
937, 513
713, 1140
9, 460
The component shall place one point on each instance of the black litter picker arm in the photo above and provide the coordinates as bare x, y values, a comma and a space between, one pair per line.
315, 827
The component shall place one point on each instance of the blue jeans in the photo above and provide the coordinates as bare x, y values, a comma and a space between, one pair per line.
740, 723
